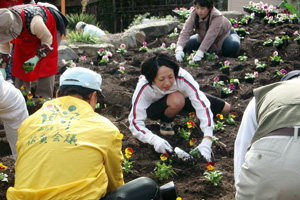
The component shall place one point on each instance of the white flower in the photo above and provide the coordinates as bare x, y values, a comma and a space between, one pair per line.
173, 45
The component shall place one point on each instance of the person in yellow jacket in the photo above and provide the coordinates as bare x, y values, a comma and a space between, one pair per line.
67, 151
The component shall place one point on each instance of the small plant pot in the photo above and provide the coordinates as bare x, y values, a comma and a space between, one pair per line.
279, 23
286, 21
261, 69
224, 95
99, 58
236, 85
260, 15
298, 42
241, 33
285, 42
272, 25
269, 44
295, 21
102, 63
249, 80
266, 21
279, 46
274, 63
225, 71
273, 14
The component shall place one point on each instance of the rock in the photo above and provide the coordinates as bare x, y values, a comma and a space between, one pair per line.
65, 52
233, 14
157, 28
130, 38
91, 50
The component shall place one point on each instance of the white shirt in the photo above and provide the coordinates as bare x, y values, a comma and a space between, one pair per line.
92, 30
245, 134
145, 95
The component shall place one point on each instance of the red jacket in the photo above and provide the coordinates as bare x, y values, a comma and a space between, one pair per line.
10, 3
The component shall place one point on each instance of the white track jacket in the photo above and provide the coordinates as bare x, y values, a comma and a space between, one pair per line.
145, 95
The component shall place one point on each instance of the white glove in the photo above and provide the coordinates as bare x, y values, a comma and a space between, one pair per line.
160, 145
205, 149
179, 54
198, 56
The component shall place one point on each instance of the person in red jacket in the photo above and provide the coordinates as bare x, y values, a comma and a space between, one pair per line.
36, 31
11, 3
8, 4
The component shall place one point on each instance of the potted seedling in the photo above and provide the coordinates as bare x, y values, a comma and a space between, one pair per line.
250, 77
259, 66
275, 59
225, 67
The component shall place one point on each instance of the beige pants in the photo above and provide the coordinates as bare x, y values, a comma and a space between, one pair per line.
271, 170
45, 85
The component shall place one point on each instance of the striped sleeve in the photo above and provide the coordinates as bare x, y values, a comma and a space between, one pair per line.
199, 102
140, 102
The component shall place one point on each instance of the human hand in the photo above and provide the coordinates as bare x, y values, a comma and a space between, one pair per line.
205, 149
179, 54
44, 50
198, 56
4, 59
30, 64
160, 145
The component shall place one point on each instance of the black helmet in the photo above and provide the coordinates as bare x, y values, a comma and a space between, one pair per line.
290, 75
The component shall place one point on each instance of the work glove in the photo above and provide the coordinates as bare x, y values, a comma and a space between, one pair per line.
4, 59
205, 149
43, 50
198, 56
30, 64
160, 145
179, 54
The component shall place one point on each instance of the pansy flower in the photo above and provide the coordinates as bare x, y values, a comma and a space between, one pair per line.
220, 116
192, 141
190, 124
164, 156
191, 114
30, 95
210, 166
2, 167
233, 114
128, 152
121, 136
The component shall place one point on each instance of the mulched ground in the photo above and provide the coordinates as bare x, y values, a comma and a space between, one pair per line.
189, 179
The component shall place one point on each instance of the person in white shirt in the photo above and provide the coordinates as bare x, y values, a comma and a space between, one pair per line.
13, 112
88, 29
162, 92
266, 158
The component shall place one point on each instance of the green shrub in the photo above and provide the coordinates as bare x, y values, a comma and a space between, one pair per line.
74, 18
79, 37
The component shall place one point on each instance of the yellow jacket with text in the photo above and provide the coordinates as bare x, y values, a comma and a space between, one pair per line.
67, 151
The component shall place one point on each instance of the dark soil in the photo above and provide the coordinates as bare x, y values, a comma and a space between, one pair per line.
189, 179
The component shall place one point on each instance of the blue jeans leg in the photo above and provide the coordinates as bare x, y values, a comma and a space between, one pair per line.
9, 67
192, 44
231, 44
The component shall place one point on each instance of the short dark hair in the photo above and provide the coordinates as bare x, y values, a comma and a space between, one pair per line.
66, 90
154, 61
83, 26
204, 3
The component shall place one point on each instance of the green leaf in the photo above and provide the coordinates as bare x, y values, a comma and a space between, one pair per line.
292, 9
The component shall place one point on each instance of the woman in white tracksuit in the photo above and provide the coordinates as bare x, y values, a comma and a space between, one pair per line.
13, 112
163, 91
